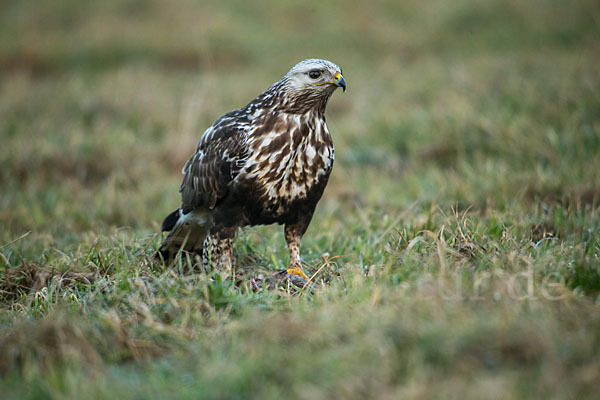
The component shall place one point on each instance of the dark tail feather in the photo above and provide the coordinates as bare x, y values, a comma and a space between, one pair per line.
187, 232
170, 221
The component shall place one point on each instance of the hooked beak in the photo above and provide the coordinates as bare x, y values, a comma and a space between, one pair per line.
340, 81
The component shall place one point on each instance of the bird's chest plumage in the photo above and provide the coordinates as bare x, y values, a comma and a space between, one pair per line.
289, 163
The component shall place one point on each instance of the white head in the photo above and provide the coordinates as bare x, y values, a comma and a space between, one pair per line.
309, 85
315, 75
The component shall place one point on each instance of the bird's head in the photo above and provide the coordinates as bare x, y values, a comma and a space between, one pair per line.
315, 75
310, 83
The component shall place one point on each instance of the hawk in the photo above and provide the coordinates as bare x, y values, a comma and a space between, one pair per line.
265, 163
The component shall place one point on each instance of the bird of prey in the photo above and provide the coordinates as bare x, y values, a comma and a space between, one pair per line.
265, 163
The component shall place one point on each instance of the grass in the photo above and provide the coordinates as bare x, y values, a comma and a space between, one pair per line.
463, 209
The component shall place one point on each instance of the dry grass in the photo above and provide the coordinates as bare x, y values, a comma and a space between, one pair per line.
455, 251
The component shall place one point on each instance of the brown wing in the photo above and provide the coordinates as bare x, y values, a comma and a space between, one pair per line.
219, 157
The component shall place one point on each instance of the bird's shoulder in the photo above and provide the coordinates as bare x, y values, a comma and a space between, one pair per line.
219, 156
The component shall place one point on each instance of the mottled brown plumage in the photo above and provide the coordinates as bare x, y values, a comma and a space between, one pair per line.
265, 163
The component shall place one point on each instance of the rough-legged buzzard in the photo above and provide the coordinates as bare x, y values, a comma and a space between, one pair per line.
265, 163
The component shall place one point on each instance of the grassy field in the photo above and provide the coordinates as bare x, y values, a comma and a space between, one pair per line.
462, 212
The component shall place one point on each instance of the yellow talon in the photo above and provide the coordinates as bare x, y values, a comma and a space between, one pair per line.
297, 271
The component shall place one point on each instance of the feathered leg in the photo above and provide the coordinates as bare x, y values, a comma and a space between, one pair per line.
293, 234
216, 252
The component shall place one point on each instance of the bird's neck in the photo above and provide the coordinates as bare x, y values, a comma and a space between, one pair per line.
279, 98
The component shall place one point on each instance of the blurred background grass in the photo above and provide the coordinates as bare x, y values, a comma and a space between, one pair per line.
487, 106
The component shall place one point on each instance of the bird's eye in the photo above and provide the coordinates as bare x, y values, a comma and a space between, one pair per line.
314, 74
